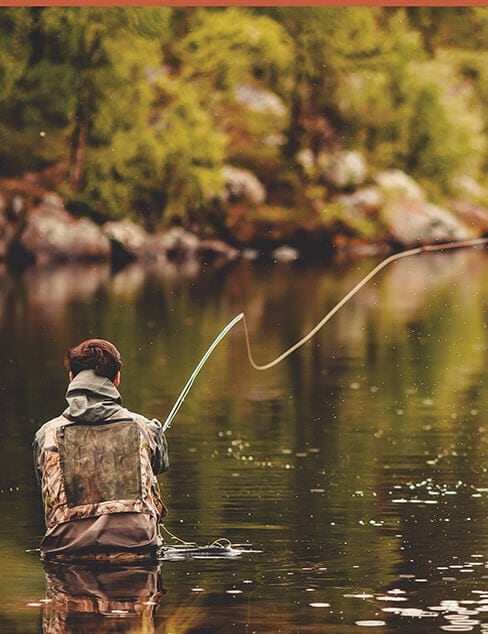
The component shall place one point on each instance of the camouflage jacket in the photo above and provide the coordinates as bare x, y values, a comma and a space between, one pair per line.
98, 458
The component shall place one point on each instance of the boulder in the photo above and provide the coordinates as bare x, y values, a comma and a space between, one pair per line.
468, 188
410, 218
259, 100
473, 215
343, 169
217, 248
129, 241
242, 184
395, 184
366, 200
285, 253
177, 244
52, 234
412, 222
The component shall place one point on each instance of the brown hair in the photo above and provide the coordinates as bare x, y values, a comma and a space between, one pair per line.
94, 354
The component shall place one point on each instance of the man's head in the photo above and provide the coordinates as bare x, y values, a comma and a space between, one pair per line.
94, 354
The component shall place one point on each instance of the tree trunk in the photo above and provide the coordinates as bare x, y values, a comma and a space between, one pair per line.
78, 148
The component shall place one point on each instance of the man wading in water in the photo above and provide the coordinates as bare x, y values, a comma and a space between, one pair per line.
97, 465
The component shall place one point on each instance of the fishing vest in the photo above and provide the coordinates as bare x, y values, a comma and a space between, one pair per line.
93, 469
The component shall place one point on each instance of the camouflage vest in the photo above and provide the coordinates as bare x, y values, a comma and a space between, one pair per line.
91, 469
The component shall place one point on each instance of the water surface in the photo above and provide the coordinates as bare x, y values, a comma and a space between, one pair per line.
357, 467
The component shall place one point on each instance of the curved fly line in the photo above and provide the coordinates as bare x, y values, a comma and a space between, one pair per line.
459, 244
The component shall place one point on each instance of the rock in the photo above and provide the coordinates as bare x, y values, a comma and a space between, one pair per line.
179, 243
218, 248
51, 234
395, 184
285, 253
343, 169
410, 218
260, 100
412, 222
52, 199
242, 184
466, 187
367, 200
129, 240
306, 159
474, 216
250, 254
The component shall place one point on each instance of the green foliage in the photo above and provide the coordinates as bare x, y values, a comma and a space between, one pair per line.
339, 217
445, 124
15, 27
225, 46
146, 104
415, 113
193, 149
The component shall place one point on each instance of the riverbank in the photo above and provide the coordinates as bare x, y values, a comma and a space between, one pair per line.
388, 211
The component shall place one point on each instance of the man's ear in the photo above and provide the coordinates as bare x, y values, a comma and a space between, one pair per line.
117, 379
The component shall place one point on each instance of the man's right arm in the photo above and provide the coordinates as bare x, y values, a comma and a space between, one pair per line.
160, 458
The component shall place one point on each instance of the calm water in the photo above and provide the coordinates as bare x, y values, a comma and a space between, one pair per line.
357, 468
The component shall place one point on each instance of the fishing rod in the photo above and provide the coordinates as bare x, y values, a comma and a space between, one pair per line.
428, 248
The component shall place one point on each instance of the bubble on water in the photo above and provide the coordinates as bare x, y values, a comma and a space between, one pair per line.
234, 591
361, 595
197, 589
372, 623
417, 613
319, 604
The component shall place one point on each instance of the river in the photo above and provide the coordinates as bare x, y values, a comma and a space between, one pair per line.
354, 473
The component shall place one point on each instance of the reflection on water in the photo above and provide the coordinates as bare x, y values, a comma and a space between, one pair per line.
100, 599
358, 466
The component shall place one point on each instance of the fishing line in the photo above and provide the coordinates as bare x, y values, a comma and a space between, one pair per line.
222, 547
459, 244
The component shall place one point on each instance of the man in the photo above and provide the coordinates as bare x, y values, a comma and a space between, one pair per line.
97, 465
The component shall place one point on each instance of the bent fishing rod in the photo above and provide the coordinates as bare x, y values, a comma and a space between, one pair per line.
428, 248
